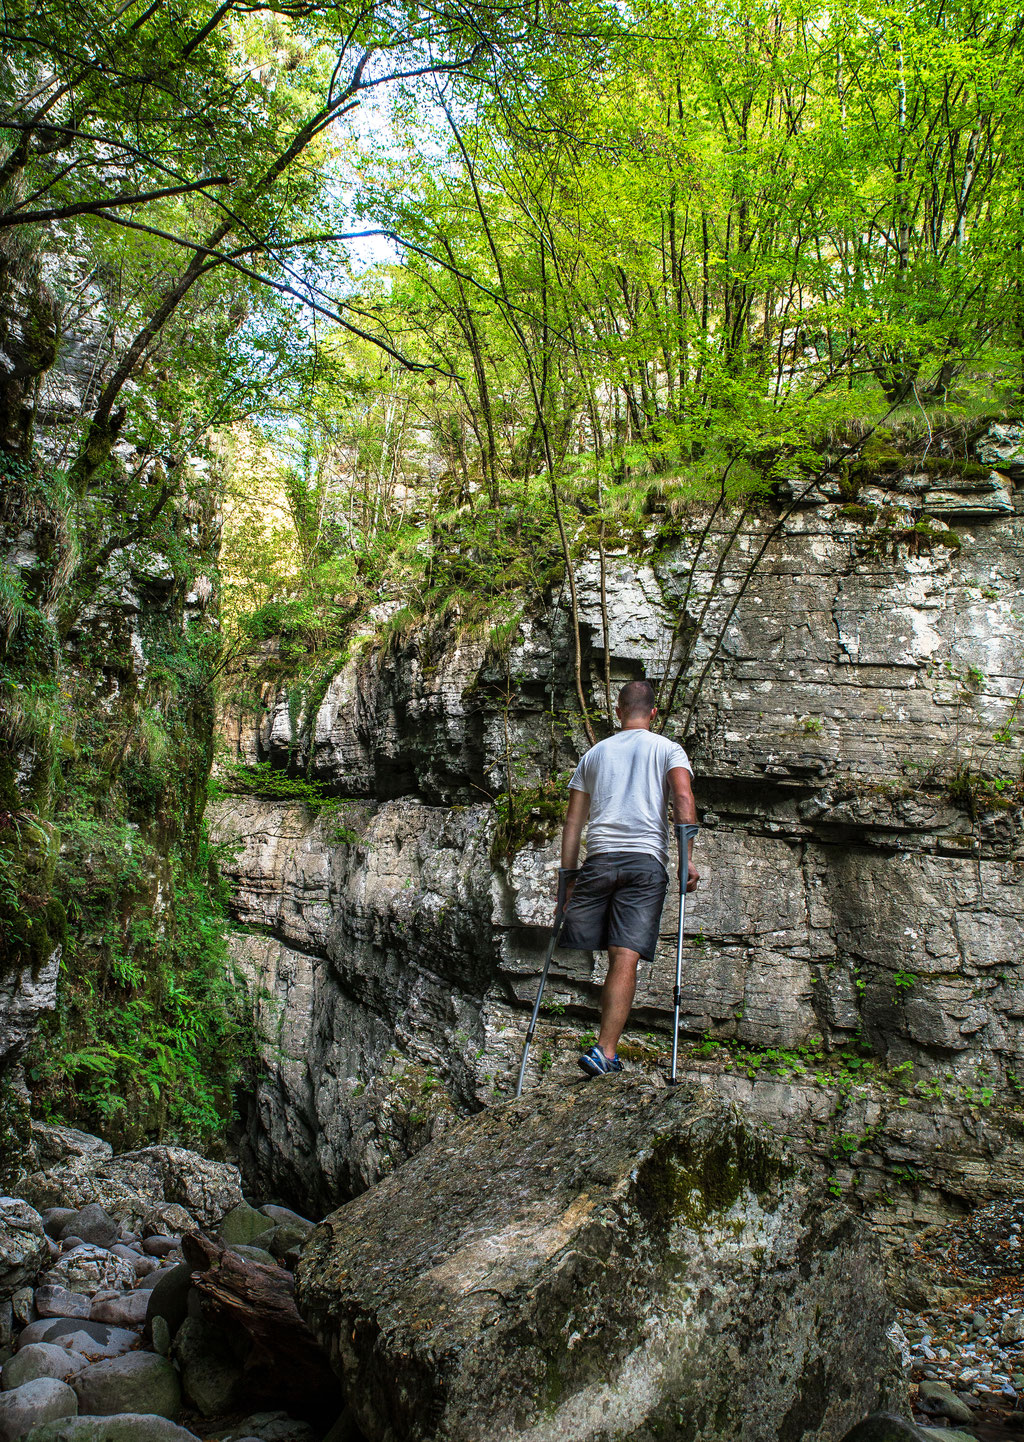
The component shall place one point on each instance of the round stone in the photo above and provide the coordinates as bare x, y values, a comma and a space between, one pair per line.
243, 1224
54, 1219
89, 1269
127, 1309
138, 1382
284, 1215
41, 1359
130, 1427
160, 1246
92, 1224
169, 1298
56, 1301
33, 1403
93, 1340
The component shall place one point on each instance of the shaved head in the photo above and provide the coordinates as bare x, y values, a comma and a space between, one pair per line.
636, 699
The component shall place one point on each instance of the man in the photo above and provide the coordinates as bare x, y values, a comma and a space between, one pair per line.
623, 785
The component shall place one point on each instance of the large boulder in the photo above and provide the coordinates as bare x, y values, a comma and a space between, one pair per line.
24, 1250
129, 1187
80, 1181
51, 1146
613, 1259
207, 1190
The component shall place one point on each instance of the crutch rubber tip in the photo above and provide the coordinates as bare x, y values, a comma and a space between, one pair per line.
672, 1081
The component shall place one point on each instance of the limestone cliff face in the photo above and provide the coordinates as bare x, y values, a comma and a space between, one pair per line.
868, 674
30, 958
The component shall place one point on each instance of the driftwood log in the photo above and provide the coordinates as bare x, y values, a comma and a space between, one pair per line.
284, 1363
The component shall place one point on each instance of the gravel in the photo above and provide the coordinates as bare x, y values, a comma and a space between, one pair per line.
971, 1337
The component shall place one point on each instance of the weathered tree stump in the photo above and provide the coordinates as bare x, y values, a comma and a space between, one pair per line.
284, 1364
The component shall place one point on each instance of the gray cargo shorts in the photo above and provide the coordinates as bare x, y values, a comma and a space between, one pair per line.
617, 901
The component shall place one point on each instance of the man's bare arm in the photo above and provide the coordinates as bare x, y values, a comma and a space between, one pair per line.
572, 831
684, 808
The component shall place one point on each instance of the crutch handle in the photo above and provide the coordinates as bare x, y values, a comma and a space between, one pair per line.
686, 832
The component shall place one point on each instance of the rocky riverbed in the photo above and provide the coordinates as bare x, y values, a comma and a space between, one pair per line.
143, 1299
965, 1347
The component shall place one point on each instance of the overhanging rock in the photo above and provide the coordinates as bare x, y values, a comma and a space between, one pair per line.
612, 1260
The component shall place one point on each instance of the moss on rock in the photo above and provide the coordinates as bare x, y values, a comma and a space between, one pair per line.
704, 1176
15, 1133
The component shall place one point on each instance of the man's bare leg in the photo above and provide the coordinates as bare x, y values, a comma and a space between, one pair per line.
617, 997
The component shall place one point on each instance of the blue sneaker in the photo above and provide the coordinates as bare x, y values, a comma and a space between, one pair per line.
595, 1063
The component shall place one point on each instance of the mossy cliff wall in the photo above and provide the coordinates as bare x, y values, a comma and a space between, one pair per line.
857, 747
110, 937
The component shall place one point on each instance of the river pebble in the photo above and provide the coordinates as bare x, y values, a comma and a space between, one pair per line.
96, 1316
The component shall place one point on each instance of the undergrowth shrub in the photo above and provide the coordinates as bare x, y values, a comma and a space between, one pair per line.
236, 778
147, 1040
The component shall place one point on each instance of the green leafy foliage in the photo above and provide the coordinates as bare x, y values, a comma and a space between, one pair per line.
104, 757
767, 247
148, 1039
527, 814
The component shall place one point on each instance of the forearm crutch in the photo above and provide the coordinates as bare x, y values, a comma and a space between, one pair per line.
685, 833
564, 877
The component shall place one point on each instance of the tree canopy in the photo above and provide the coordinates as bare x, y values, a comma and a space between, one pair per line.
708, 262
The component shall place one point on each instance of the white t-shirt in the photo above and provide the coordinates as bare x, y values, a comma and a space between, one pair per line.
626, 778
